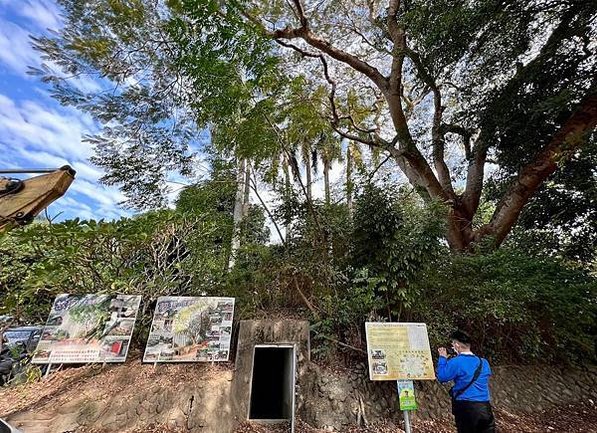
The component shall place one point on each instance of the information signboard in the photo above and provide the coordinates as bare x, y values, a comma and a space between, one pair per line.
398, 351
88, 328
190, 329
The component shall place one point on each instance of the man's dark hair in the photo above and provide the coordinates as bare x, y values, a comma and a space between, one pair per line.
461, 336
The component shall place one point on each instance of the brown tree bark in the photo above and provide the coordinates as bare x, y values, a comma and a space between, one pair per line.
571, 135
438, 184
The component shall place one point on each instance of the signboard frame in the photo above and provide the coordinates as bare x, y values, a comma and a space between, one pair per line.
67, 338
393, 347
162, 334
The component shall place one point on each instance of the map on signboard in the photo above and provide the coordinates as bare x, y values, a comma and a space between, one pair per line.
398, 351
190, 329
88, 328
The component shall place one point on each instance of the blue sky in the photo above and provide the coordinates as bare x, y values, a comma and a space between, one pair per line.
35, 130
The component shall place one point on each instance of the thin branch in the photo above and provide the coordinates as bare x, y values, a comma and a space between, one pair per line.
301, 13
379, 166
437, 138
297, 49
269, 214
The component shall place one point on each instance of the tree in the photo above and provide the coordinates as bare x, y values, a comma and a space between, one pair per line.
444, 87
140, 98
454, 76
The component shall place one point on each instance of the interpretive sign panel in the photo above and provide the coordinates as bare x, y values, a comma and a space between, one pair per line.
399, 351
190, 329
88, 328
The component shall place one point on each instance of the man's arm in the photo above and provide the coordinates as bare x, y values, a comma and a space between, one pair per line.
446, 370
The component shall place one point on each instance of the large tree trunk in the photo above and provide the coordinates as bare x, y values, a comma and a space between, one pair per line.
562, 146
239, 208
326, 179
349, 184
438, 184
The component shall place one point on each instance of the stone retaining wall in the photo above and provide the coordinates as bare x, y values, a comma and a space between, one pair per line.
335, 399
200, 398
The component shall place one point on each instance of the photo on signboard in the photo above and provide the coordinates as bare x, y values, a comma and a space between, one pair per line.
378, 354
380, 367
88, 328
190, 329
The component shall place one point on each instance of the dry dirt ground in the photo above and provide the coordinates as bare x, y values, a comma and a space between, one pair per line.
580, 418
68, 384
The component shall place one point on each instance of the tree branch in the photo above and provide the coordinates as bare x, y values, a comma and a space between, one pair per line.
416, 169
437, 139
269, 214
301, 13
465, 134
308, 36
571, 136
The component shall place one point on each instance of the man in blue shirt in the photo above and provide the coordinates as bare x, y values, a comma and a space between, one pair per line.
470, 394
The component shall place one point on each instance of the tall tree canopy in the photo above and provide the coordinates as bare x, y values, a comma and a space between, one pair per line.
444, 87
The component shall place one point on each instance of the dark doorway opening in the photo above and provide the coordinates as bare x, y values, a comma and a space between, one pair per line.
272, 385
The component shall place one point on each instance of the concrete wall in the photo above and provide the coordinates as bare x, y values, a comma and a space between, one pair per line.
261, 332
335, 399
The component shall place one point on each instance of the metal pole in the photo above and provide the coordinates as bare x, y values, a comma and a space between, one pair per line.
406, 421
26, 170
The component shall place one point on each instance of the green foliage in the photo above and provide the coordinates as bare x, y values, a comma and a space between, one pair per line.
562, 219
517, 307
183, 73
394, 240
148, 255
148, 134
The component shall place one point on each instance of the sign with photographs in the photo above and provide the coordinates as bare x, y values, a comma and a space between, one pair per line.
88, 328
398, 351
190, 329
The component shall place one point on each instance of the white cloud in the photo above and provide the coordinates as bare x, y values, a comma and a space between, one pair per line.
34, 134
42, 128
103, 196
35, 131
42, 13
16, 51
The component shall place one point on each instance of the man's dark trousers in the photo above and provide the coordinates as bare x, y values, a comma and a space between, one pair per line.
473, 416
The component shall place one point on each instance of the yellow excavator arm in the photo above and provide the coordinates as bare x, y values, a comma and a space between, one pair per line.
22, 200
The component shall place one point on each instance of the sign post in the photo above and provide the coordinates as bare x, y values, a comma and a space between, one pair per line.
400, 352
406, 421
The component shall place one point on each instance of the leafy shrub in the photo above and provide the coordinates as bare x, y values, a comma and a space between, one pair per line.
516, 307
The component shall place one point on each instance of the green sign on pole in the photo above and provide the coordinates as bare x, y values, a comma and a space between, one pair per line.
406, 395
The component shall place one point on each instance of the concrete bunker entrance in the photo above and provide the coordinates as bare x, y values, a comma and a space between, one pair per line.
273, 383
